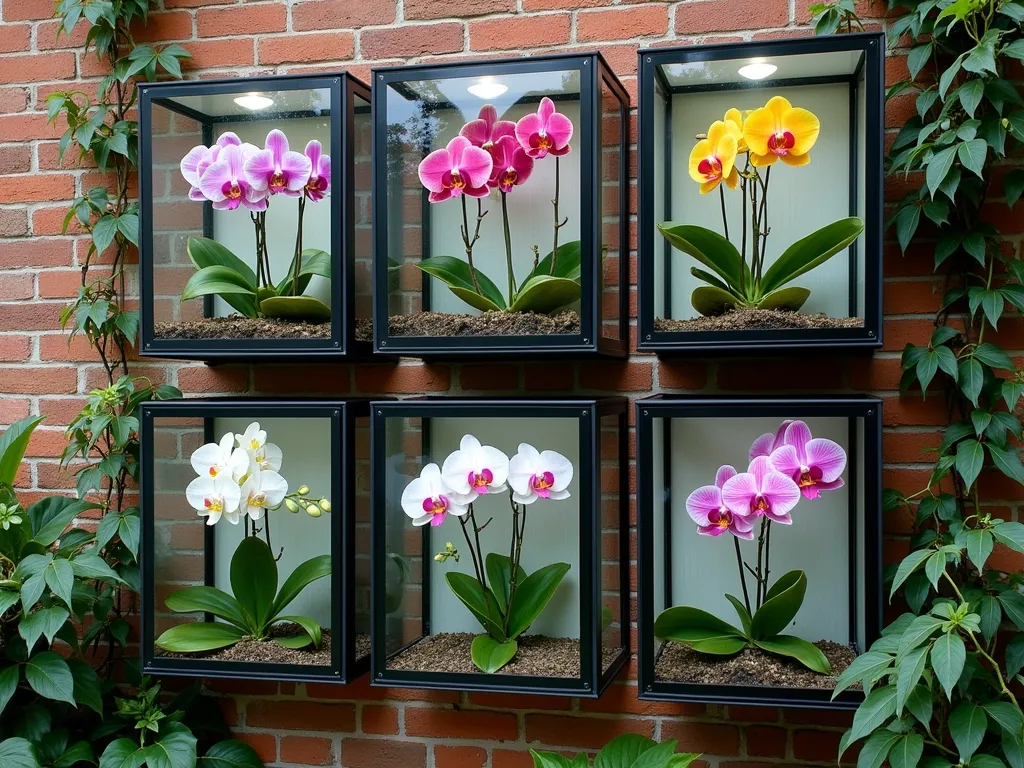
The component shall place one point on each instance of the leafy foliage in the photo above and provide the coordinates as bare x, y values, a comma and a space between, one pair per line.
630, 750
939, 680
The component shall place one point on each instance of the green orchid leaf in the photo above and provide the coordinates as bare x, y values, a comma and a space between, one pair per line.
710, 249
742, 612
532, 595
778, 611
318, 567
313, 634
223, 282
700, 630
314, 262
499, 573
296, 309
480, 602
199, 636
13, 444
254, 579
811, 251
707, 277
796, 648
455, 274
489, 655
204, 252
567, 265
544, 294
791, 298
710, 301
211, 600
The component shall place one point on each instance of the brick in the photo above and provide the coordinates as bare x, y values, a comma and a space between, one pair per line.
518, 32
264, 744
459, 757
413, 40
306, 750
375, 753
15, 348
16, 286
35, 253
508, 758
701, 16
13, 409
781, 374
35, 316
13, 222
618, 377
301, 379
489, 376
455, 9
37, 188
305, 48
677, 375
712, 738
162, 27
33, 68
250, 19
585, 733
39, 380
27, 128
461, 724
301, 716
341, 14
15, 158
765, 741
26, 10
402, 379
208, 379
621, 24
13, 100
14, 37
816, 745
381, 721
238, 52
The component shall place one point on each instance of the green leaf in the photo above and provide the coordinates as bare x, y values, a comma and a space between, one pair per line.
204, 252
311, 570
658, 756
876, 749
979, 546
314, 262
91, 566
791, 298
938, 166
312, 633
781, 608
972, 154
907, 219
80, 752
60, 578
1013, 186
1013, 603
934, 567
811, 251
710, 249
103, 232
489, 655
212, 600
199, 636
742, 612
906, 753
1007, 461
865, 669
254, 579
948, 656
8, 684
700, 630
919, 56
710, 301
230, 753
122, 753
910, 563
44, 622
1010, 534
567, 265
970, 94
296, 309
13, 443
552, 760
499, 572
218, 281
992, 355
920, 704
971, 379
18, 753
544, 294
1005, 715
877, 707
48, 675
175, 749
909, 673
623, 751
88, 687
797, 648
921, 628
532, 596
480, 602
455, 274
967, 727
1013, 749
969, 458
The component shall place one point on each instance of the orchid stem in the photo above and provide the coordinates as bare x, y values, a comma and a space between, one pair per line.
298, 248
508, 249
472, 551
259, 250
754, 240
554, 202
469, 243
743, 577
725, 221
760, 554
266, 251
767, 554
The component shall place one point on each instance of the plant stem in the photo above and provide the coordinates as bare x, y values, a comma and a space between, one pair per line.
725, 220
472, 551
743, 578
764, 223
754, 240
760, 555
298, 247
508, 249
266, 251
259, 251
558, 224
469, 243
767, 553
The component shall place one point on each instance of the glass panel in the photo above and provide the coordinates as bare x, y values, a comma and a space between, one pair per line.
613, 633
801, 496
257, 197
802, 116
362, 536
610, 205
362, 174
506, 215
462, 536
201, 473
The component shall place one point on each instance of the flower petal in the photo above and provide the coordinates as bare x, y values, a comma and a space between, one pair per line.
759, 126
559, 129
828, 456
198, 491
432, 169
497, 462
786, 461
559, 466
738, 493
558, 495
213, 180
527, 126
476, 131
258, 169
805, 128
413, 496
702, 502
228, 138
296, 168
190, 164
546, 110
798, 434
781, 492
275, 486
795, 160
701, 151
475, 165
277, 144
314, 151
759, 468
725, 472
762, 446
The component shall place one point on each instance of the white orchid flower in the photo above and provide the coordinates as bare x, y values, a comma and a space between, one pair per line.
429, 499
475, 470
213, 459
253, 438
262, 490
537, 474
269, 457
214, 497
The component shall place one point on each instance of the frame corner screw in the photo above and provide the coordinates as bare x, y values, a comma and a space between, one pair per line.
584, 413
380, 77
383, 343
647, 413
647, 688
586, 341
380, 675
380, 413
648, 59
871, 411
586, 686
870, 333
586, 62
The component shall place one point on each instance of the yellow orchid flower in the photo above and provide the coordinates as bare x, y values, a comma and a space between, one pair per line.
713, 159
780, 131
734, 118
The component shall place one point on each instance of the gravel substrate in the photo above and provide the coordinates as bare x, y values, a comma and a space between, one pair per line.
757, 320
238, 327
364, 329
537, 656
486, 324
750, 667
269, 651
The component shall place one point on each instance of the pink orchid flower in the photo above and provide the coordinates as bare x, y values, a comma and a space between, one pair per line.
199, 158
320, 175
761, 491
224, 182
512, 166
708, 510
544, 131
485, 131
766, 443
460, 168
814, 463
429, 500
277, 169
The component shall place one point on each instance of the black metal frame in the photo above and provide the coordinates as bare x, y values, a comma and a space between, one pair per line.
344, 667
593, 71
654, 501
589, 412
871, 76
343, 88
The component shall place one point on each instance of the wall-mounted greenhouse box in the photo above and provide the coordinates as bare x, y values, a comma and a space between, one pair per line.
255, 539
254, 197
760, 183
500, 218
760, 575
500, 544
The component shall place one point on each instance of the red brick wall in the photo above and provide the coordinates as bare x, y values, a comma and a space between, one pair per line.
356, 726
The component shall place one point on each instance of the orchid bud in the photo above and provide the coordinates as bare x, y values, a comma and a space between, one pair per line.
303, 490
325, 505
291, 505
314, 511
439, 557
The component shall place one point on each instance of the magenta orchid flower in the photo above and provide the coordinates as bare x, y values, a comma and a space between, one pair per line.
224, 183
320, 174
460, 168
199, 158
761, 490
814, 463
544, 131
485, 131
277, 169
429, 500
766, 443
512, 166
708, 510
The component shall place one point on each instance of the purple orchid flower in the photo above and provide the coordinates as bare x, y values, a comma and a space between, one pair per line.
814, 463
224, 183
708, 510
512, 166
199, 158
485, 131
544, 131
277, 169
320, 175
766, 443
459, 168
761, 490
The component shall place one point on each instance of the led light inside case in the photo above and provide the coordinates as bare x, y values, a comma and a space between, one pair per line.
487, 88
757, 69
254, 101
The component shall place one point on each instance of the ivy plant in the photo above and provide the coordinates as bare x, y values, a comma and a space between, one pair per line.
630, 750
940, 682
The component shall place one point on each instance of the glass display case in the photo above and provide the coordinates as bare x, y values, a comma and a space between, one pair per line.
760, 571
500, 220
500, 544
255, 539
760, 194
254, 204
